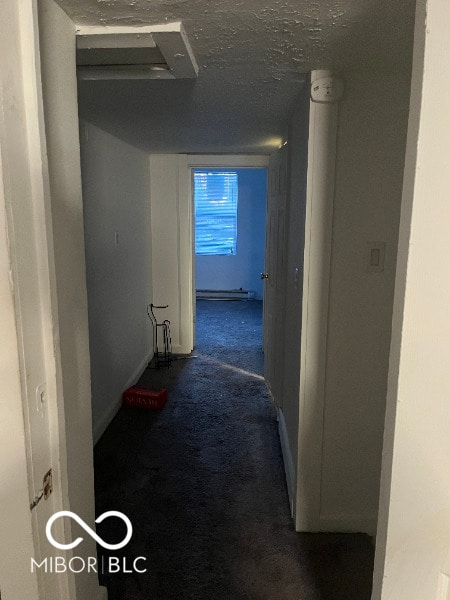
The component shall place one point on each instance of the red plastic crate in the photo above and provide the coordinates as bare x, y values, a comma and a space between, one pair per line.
139, 397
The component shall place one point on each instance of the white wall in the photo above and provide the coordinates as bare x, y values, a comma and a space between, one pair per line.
243, 269
413, 542
116, 199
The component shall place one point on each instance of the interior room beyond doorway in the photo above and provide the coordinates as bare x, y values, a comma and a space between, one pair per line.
230, 230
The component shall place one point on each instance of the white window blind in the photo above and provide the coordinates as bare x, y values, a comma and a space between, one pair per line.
216, 198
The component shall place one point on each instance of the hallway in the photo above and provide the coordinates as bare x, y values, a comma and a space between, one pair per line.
202, 482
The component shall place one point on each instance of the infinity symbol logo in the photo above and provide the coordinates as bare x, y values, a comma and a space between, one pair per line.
68, 513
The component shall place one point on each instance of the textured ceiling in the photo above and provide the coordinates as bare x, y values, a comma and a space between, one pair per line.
253, 56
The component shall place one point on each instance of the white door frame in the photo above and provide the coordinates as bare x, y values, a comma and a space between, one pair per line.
23, 159
20, 536
26, 215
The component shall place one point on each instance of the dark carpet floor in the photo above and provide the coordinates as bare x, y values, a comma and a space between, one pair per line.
203, 484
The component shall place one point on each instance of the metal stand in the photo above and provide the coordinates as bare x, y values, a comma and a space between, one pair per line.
162, 342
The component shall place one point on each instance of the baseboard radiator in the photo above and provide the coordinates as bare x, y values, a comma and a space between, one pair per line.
225, 295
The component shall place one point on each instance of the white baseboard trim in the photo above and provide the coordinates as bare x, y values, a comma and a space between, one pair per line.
224, 295
289, 469
349, 524
100, 427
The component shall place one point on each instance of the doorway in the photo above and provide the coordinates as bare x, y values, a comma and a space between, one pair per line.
229, 214
80, 344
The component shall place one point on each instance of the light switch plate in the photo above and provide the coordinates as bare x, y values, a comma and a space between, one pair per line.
374, 256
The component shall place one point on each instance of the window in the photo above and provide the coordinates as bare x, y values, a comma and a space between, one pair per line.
215, 198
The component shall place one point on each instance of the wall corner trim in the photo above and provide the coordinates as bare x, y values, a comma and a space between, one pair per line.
316, 281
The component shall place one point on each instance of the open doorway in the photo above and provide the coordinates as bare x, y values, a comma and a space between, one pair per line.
168, 247
72, 278
229, 207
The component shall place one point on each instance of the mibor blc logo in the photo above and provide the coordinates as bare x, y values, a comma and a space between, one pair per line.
91, 532
78, 564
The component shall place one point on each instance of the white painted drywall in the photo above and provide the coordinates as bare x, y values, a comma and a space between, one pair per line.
243, 269
413, 542
369, 173
172, 246
57, 35
116, 199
